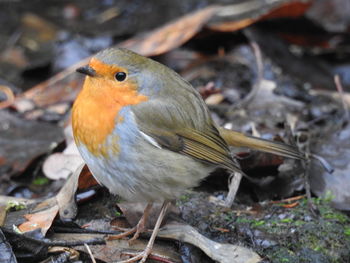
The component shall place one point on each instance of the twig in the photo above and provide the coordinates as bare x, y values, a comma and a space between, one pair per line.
233, 188
290, 199
340, 89
257, 85
325, 164
90, 253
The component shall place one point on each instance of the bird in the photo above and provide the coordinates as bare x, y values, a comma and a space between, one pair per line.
147, 135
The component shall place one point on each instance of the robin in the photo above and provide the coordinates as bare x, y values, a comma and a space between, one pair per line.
147, 135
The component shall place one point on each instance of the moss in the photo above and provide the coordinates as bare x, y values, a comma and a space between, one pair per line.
299, 223
283, 255
286, 220
184, 198
41, 181
297, 230
277, 233
258, 223
15, 205
347, 231
336, 216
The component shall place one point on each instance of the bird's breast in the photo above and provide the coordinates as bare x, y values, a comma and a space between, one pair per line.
96, 116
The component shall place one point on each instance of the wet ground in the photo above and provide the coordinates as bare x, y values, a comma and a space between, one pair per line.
297, 101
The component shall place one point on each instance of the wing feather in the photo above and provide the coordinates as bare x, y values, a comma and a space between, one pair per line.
193, 135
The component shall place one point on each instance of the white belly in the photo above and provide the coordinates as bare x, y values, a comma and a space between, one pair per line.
141, 171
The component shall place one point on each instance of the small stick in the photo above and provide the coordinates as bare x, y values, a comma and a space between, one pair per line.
340, 89
256, 86
233, 188
90, 253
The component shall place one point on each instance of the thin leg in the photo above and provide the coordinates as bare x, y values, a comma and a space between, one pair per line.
147, 251
233, 188
138, 229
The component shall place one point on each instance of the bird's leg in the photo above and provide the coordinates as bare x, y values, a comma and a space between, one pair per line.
147, 251
138, 229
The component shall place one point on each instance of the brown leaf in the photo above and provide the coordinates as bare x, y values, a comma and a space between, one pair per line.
243, 15
41, 220
171, 35
114, 250
291, 10
86, 179
65, 85
62, 87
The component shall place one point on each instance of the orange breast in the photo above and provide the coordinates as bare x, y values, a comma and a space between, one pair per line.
95, 112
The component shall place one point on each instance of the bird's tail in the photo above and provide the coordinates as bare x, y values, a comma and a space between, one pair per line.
238, 139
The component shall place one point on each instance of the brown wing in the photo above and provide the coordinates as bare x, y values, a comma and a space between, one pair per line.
192, 134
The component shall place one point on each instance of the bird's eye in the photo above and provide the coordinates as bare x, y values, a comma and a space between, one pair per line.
120, 76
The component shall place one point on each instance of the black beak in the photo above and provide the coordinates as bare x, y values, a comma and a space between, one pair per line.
87, 70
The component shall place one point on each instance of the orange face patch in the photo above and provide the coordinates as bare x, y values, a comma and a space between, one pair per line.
95, 111
104, 70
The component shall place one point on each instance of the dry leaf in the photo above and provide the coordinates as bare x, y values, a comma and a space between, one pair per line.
41, 220
171, 35
61, 166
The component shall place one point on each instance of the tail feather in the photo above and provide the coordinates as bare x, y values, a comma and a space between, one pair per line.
238, 139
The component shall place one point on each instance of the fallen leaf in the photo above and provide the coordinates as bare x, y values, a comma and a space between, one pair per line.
45, 212
86, 179
65, 85
41, 220
22, 141
219, 252
172, 34
243, 14
61, 166
66, 197
335, 148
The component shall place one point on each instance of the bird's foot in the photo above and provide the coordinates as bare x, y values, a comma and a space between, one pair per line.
140, 257
136, 230
125, 232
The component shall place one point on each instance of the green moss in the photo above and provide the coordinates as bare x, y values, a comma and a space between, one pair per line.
242, 220
295, 234
284, 260
323, 236
41, 181
347, 231
258, 223
287, 220
15, 205
299, 222
336, 216
183, 199
282, 255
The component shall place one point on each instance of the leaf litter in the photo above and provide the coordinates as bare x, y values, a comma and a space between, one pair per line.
265, 115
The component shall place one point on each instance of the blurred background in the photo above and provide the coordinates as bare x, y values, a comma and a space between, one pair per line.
278, 69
